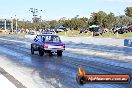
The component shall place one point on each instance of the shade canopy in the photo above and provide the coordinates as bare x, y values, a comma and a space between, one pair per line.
93, 26
61, 27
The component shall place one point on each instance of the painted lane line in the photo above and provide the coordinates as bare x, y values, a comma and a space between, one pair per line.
8, 81
5, 83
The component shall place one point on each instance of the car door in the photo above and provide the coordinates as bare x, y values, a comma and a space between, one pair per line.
35, 43
40, 43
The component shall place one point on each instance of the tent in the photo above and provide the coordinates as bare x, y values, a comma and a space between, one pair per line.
61, 27
93, 26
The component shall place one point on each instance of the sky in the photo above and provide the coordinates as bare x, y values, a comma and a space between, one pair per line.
56, 9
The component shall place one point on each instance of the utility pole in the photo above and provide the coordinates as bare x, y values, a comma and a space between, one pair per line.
117, 34
35, 12
16, 25
5, 24
12, 24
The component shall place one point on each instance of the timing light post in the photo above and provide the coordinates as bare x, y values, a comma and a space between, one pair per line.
16, 23
35, 11
12, 24
5, 24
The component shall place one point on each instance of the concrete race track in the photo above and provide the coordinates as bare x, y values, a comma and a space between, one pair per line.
34, 71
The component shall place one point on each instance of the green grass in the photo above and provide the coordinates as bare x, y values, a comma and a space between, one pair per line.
76, 34
107, 34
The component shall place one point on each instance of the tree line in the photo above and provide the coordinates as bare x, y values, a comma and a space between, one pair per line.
104, 20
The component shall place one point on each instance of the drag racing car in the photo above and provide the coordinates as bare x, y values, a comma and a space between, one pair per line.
47, 43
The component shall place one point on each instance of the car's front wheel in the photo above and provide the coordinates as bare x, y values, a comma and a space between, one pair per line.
32, 50
59, 53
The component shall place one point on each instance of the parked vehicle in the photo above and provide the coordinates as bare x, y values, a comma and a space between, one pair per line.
130, 29
120, 30
31, 33
84, 30
60, 29
96, 30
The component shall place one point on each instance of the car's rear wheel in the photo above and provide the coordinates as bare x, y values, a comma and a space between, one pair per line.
41, 52
50, 54
32, 50
59, 53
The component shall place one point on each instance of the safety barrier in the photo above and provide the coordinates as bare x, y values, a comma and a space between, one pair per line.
128, 42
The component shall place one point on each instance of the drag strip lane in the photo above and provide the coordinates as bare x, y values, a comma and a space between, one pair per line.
25, 48
22, 45
45, 70
64, 65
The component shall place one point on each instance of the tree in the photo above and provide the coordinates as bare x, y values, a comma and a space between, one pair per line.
128, 11
77, 23
98, 18
67, 23
53, 24
93, 19
83, 22
102, 19
109, 20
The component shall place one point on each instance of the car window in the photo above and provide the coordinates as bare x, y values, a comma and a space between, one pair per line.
38, 38
56, 39
51, 38
46, 38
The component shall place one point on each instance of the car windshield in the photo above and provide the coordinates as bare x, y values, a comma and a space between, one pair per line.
51, 38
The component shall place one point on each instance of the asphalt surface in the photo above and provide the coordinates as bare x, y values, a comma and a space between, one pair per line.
34, 71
